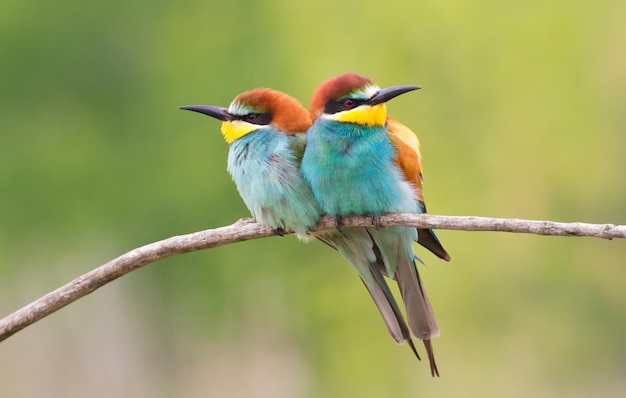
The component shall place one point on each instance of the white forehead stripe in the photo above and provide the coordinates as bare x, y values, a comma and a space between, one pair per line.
237, 108
369, 91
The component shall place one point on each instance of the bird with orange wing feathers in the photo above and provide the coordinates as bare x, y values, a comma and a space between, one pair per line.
360, 161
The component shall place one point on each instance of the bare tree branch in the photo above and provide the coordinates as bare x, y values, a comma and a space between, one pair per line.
247, 229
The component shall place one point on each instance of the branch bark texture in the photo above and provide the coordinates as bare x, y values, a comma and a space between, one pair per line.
247, 229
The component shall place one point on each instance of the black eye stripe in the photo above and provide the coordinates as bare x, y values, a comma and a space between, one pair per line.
261, 119
335, 106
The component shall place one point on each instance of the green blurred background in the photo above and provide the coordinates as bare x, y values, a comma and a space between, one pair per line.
522, 115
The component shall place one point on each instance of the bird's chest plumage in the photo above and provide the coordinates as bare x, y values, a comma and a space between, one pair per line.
261, 164
352, 170
265, 168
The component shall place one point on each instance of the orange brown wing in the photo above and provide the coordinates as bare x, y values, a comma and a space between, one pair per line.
409, 158
410, 163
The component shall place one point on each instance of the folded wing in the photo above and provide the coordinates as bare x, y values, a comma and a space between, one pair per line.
410, 163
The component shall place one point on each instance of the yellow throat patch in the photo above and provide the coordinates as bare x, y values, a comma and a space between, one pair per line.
373, 116
234, 130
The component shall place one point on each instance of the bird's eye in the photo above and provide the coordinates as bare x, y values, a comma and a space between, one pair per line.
257, 118
340, 105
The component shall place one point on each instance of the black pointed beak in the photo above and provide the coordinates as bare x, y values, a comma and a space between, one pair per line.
388, 93
209, 110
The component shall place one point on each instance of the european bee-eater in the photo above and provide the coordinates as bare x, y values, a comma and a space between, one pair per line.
359, 161
266, 132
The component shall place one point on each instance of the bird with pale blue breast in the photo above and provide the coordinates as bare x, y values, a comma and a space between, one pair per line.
266, 131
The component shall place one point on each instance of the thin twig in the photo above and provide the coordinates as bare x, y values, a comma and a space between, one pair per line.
247, 229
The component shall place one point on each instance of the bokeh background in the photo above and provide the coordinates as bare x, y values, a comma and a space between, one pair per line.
522, 114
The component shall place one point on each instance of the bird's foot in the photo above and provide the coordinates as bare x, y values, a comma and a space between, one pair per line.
338, 222
376, 222
279, 231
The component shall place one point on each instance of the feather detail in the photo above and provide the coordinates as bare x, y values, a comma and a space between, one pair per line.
337, 87
409, 160
288, 115
356, 245
265, 168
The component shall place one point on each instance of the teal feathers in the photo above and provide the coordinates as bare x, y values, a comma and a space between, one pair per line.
265, 129
351, 164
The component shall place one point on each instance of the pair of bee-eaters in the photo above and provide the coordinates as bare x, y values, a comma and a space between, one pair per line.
344, 157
